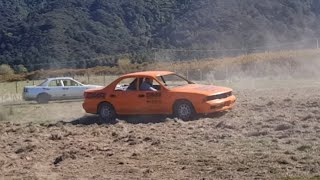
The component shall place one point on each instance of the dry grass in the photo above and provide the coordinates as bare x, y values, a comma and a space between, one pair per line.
282, 58
283, 65
12, 91
207, 64
3, 114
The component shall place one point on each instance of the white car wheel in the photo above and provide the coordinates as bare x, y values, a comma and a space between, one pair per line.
43, 98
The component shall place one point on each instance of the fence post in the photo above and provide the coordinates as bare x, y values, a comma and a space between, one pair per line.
88, 78
226, 73
17, 87
188, 73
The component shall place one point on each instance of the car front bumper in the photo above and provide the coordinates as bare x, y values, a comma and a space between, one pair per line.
217, 105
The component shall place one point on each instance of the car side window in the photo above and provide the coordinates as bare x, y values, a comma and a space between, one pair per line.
74, 83
156, 85
55, 83
127, 84
149, 84
66, 82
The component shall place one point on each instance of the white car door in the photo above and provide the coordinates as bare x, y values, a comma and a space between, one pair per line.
74, 89
55, 89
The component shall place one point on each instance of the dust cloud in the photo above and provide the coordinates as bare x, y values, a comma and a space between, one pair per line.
285, 73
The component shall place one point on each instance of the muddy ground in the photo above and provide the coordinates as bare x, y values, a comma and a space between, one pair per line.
272, 133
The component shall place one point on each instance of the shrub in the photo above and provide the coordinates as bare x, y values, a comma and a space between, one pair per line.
5, 69
21, 69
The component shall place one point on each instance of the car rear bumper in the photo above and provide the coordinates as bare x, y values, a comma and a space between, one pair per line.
217, 105
28, 97
89, 107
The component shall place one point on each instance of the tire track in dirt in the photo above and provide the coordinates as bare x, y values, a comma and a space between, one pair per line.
270, 134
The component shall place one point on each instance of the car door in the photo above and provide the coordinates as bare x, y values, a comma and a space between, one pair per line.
55, 89
73, 89
153, 100
127, 100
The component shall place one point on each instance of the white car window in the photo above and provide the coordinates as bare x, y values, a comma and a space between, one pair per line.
69, 82
54, 83
74, 83
43, 83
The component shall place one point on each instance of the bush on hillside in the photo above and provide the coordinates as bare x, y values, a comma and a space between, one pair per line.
21, 69
6, 70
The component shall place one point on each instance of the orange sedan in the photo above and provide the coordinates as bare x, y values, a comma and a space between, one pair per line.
156, 92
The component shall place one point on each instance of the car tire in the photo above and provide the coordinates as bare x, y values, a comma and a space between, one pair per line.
106, 112
43, 98
184, 110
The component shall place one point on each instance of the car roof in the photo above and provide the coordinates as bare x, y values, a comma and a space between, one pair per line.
55, 78
149, 73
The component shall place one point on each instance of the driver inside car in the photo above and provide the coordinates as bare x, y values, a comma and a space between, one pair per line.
133, 85
146, 85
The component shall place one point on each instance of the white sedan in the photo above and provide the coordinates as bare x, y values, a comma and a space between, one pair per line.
59, 88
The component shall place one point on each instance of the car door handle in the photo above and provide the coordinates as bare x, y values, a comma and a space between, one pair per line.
112, 95
141, 95
65, 88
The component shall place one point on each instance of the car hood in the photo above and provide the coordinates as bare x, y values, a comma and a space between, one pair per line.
202, 89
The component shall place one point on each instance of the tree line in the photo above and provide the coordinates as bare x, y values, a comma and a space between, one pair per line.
42, 34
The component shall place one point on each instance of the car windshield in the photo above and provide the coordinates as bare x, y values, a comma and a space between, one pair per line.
173, 80
41, 84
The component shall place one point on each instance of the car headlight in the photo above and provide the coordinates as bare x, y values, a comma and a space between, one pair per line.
219, 96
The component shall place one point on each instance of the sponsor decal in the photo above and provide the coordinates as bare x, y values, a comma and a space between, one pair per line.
153, 97
96, 95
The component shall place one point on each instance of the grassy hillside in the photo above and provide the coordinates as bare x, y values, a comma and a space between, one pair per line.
42, 34
303, 63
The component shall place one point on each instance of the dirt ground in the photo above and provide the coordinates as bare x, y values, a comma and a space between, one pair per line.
272, 133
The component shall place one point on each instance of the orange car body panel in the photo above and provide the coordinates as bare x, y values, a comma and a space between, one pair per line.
157, 102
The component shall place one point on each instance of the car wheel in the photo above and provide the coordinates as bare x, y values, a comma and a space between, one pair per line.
43, 98
184, 110
107, 112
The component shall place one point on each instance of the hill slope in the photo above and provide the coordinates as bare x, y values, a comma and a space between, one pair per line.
71, 33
